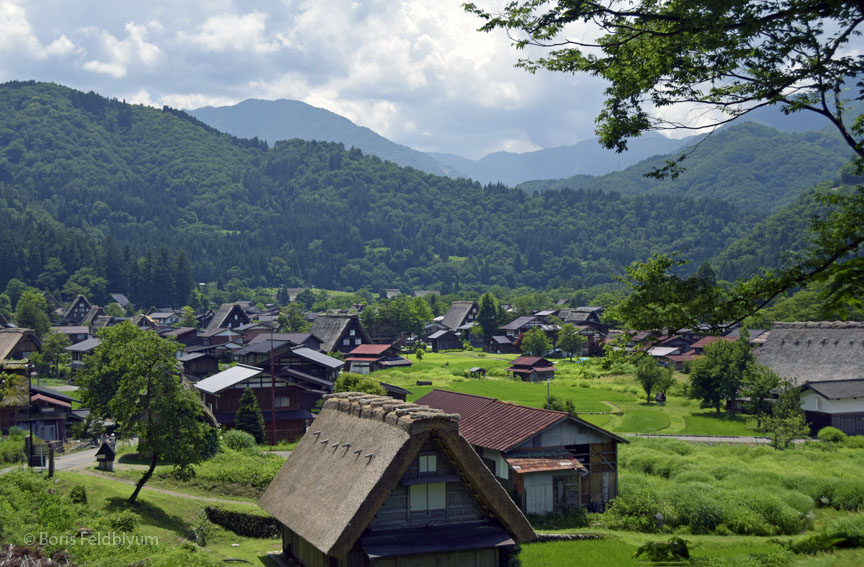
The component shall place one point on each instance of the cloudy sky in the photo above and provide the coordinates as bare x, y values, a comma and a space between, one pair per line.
415, 71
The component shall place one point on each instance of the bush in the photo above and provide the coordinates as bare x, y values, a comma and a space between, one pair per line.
237, 440
831, 435
78, 494
124, 521
657, 551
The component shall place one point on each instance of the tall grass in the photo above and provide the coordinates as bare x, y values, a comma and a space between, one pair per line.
671, 486
12, 447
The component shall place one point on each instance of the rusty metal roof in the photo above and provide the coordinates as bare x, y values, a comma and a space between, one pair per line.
544, 464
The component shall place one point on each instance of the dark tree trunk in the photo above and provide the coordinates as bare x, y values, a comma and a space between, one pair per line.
144, 478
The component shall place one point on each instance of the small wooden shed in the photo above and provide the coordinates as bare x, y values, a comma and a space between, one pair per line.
105, 457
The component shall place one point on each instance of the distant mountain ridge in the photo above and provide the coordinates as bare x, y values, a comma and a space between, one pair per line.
274, 120
584, 158
749, 164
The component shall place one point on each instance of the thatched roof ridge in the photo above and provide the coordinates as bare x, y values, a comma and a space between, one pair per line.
815, 351
355, 453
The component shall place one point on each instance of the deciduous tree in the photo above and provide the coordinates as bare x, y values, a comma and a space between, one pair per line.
651, 376
716, 377
570, 341
535, 342
133, 378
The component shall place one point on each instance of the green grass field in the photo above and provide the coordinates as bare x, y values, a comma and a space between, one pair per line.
585, 384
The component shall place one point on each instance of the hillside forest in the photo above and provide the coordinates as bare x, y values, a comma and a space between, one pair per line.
107, 196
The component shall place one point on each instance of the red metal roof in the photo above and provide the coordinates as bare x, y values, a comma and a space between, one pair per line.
492, 424
370, 349
704, 341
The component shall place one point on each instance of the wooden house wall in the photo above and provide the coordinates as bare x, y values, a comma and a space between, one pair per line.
445, 342
460, 504
201, 366
550, 492
228, 400
354, 340
603, 477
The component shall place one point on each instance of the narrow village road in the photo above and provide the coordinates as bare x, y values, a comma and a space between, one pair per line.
709, 439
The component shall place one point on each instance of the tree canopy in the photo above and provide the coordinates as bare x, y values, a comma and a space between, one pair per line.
728, 58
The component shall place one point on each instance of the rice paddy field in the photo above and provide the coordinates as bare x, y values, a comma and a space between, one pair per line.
609, 398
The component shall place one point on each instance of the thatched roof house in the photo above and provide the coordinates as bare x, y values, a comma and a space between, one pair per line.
825, 359
228, 316
815, 351
339, 332
378, 479
460, 313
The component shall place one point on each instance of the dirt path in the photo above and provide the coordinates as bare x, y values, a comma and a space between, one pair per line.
163, 490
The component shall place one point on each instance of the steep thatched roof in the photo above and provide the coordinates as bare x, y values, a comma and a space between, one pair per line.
219, 320
9, 339
330, 328
458, 313
815, 351
356, 452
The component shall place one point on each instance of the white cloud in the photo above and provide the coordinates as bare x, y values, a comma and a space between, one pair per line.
196, 100
120, 54
235, 32
62, 47
17, 34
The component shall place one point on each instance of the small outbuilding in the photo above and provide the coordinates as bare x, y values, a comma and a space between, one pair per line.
532, 369
105, 457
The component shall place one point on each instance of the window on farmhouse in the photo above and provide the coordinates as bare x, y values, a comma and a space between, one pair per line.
428, 464
426, 497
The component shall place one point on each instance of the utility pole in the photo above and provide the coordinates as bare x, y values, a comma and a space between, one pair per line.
272, 392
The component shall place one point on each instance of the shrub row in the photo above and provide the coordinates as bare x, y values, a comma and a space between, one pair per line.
248, 525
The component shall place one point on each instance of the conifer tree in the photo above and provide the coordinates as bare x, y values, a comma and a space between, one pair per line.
249, 417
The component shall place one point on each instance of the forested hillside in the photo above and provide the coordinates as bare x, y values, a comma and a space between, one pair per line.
749, 165
76, 168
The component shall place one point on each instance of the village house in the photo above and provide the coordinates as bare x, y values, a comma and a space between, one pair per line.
186, 336
532, 369
339, 333
444, 340
76, 312
198, 365
18, 343
75, 334
369, 358
824, 360
460, 315
46, 410
500, 344
80, 350
553, 461
295, 363
378, 482
228, 316
292, 403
